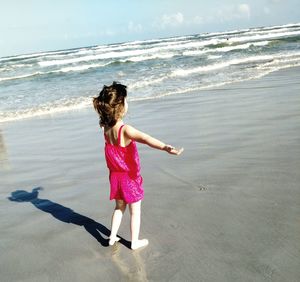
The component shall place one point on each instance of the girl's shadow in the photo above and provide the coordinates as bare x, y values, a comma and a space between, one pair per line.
65, 214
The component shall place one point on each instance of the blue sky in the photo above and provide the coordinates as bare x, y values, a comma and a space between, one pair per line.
32, 26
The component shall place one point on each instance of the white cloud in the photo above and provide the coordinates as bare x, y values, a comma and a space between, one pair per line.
222, 14
89, 34
267, 10
198, 20
136, 28
229, 13
244, 10
170, 20
109, 32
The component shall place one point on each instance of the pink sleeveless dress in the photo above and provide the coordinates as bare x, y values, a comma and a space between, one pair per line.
123, 163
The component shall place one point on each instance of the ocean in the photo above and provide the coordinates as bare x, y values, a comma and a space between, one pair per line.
45, 83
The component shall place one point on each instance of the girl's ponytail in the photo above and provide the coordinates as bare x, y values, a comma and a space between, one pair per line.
110, 104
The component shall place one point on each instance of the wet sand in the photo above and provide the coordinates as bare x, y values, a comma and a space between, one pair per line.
227, 209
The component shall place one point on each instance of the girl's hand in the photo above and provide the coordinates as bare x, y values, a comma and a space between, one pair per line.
172, 150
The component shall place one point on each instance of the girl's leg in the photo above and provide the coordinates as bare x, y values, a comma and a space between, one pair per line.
135, 221
116, 221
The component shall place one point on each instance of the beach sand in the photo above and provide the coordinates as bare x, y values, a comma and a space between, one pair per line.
227, 209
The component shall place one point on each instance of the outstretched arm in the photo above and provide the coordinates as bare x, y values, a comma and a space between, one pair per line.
141, 137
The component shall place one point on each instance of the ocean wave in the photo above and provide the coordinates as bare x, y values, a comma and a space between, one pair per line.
217, 85
206, 68
272, 67
5, 69
58, 106
213, 57
32, 56
79, 103
133, 50
62, 70
14, 67
131, 53
223, 33
146, 82
20, 76
287, 60
167, 41
144, 44
178, 45
187, 90
89, 66
270, 31
279, 26
183, 42
250, 31
108, 55
145, 58
226, 48
263, 37
110, 48
80, 68
150, 68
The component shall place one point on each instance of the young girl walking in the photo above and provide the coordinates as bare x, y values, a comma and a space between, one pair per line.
122, 159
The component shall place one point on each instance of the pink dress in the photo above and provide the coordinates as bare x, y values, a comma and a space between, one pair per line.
123, 163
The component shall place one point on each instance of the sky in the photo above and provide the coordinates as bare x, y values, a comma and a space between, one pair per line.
44, 25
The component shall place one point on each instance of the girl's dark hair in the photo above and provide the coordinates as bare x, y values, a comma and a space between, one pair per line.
110, 104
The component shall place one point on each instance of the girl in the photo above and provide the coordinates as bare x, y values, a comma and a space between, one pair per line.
126, 183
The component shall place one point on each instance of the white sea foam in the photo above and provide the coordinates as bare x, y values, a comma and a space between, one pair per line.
117, 48
260, 43
137, 49
270, 31
145, 58
58, 106
73, 104
168, 39
260, 30
156, 80
242, 46
264, 36
213, 57
216, 85
20, 76
193, 44
130, 53
288, 60
31, 56
280, 26
146, 82
225, 48
80, 68
108, 55
171, 43
62, 70
206, 68
223, 33
178, 45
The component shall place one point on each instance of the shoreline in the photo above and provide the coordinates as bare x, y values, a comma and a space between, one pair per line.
83, 105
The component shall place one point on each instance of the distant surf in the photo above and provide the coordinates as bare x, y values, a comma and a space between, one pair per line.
58, 81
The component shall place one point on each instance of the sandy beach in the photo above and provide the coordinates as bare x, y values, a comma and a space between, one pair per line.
227, 209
